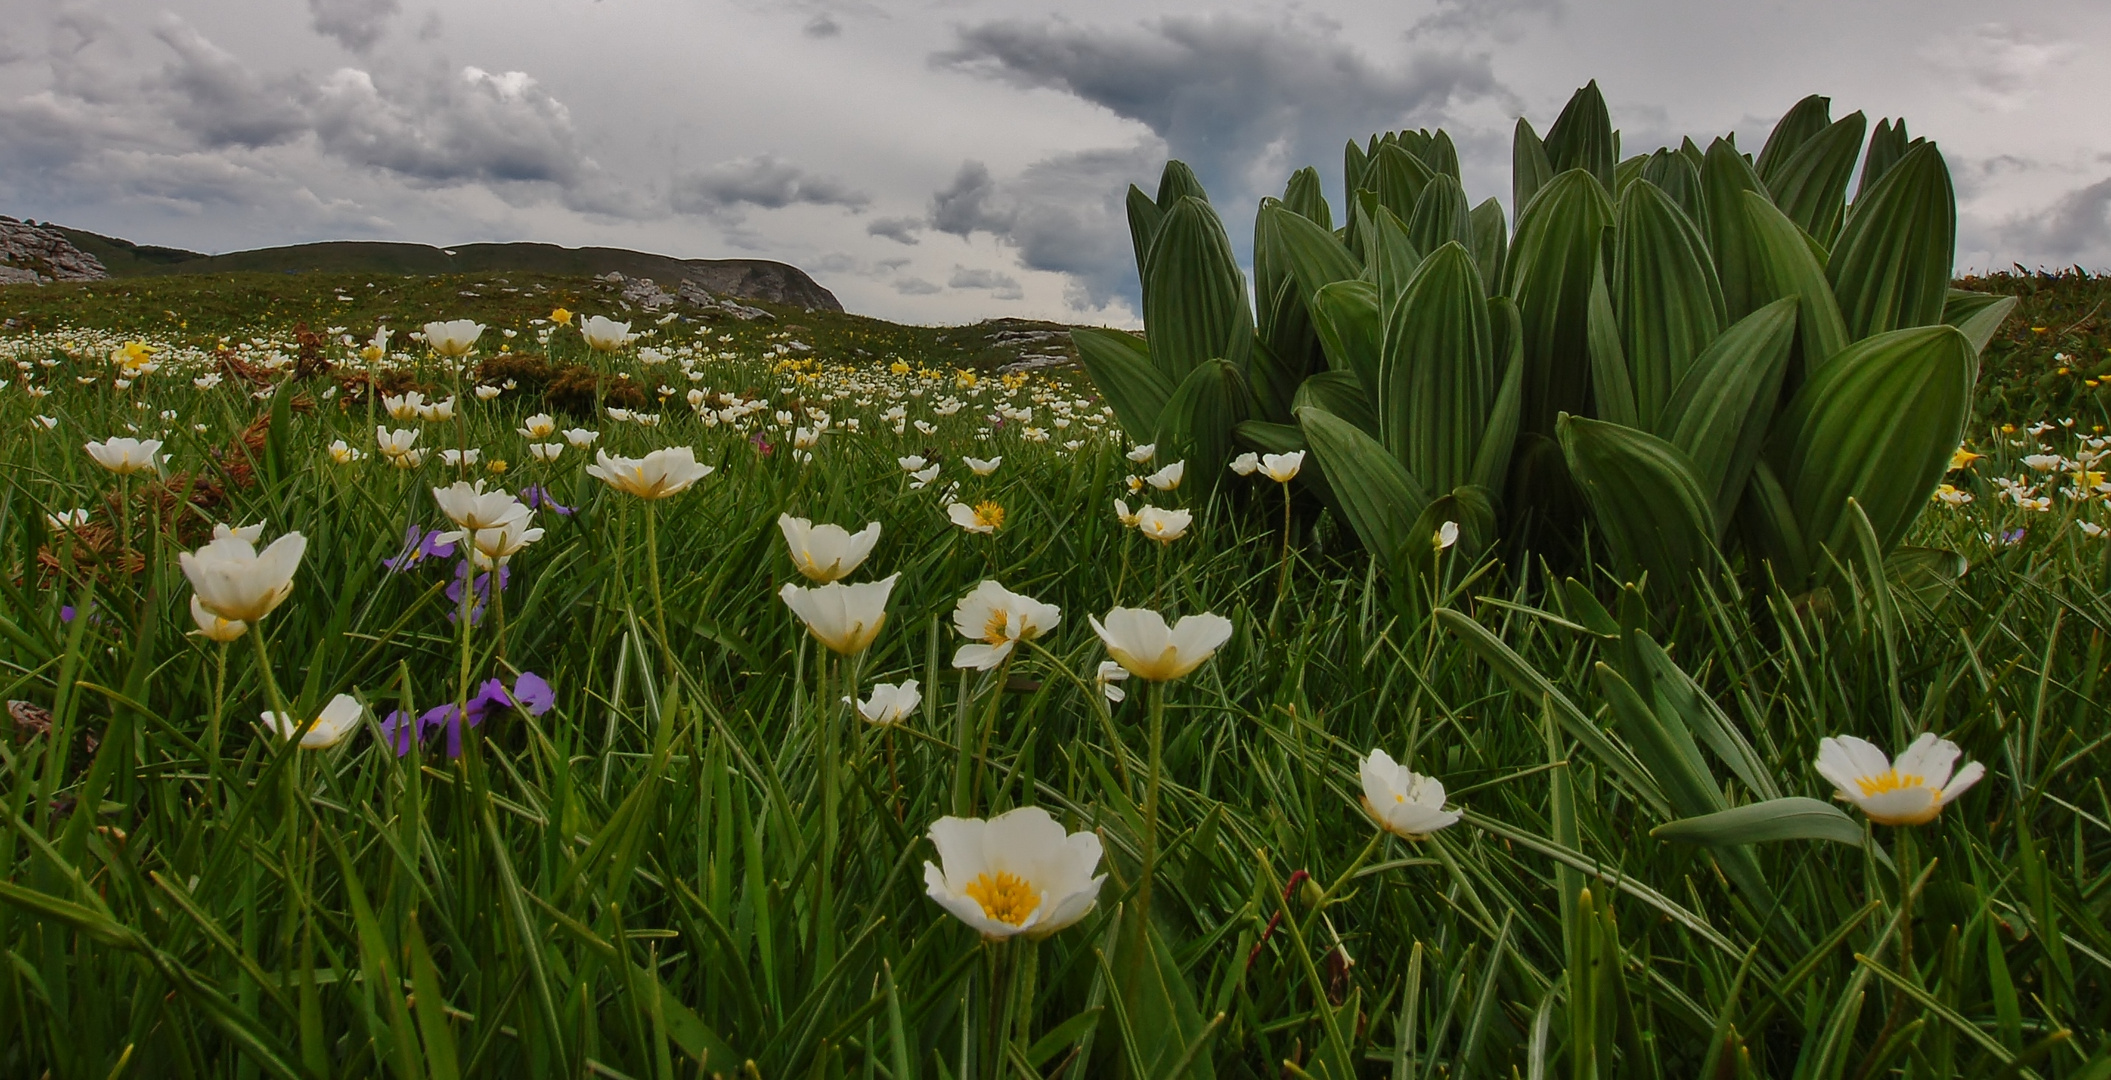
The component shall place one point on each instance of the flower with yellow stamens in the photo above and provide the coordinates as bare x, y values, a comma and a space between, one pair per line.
996, 619
1016, 873
983, 517
1910, 791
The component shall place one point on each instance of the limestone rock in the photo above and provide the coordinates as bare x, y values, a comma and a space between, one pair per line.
32, 254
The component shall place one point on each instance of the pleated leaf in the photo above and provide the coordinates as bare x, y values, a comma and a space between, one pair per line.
1196, 423
1436, 373
1645, 496
1397, 177
1441, 155
1680, 178
1391, 256
1529, 168
1877, 424
1627, 172
1442, 215
1811, 186
1194, 297
1978, 314
1890, 269
1612, 381
1583, 138
1176, 182
1787, 267
1144, 217
1551, 264
1354, 162
1120, 367
1306, 251
1798, 126
1792, 818
1351, 330
1887, 144
1491, 241
1304, 196
1491, 460
1342, 394
1725, 177
1719, 413
1378, 498
1664, 293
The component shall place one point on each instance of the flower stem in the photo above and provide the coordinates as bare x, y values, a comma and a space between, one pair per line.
659, 605
1150, 801
825, 871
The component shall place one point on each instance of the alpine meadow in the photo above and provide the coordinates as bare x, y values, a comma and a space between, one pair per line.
1649, 625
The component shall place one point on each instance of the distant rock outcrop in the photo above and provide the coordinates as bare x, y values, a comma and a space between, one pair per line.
31, 254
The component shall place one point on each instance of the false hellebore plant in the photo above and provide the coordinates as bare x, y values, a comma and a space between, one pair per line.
1695, 349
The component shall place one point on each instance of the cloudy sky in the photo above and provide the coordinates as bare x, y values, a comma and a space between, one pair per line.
948, 160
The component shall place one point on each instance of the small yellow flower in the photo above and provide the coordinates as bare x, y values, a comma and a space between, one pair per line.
1962, 458
966, 378
497, 467
561, 316
899, 367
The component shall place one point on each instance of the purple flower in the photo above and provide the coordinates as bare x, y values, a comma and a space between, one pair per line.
418, 546
538, 498
762, 446
530, 694
397, 731
2012, 536
66, 613
483, 592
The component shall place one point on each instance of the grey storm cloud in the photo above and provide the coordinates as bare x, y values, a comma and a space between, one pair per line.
901, 230
766, 181
355, 24
2076, 227
1063, 214
210, 93
917, 286
1001, 286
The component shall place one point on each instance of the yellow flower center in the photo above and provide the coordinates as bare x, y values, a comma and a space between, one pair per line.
1004, 897
989, 514
1887, 781
997, 630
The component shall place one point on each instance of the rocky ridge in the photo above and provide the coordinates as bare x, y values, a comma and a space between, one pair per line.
31, 254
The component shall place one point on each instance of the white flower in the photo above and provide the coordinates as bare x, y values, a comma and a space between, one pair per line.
405, 406
912, 463
580, 437
1909, 792
1141, 641
470, 507
458, 458
888, 703
125, 456
980, 467
395, 443
846, 618
1163, 525
1016, 873
2089, 529
490, 548
212, 626
1282, 468
1108, 675
539, 426
825, 553
545, 451
1168, 478
438, 410
235, 581
342, 453
996, 619
923, 476
1406, 804
66, 519
248, 534
1143, 453
2044, 462
485, 392
1122, 512
984, 517
604, 334
1246, 464
1446, 535
338, 719
453, 339
658, 475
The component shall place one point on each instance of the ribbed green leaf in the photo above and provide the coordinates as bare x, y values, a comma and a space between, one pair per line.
1391, 256
1891, 267
1307, 252
1677, 694
1286, 354
1354, 162
1491, 460
1194, 297
1719, 413
1442, 215
1529, 169
1725, 176
1304, 196
1176, 182
1665, 295
1398, 178
1144, 217
1627, 172
1643, 492
1342, 394
1785, 266
1811, 186
1119, 365
1436, 373
1583, 138
1799, 125
1887, 144
1441, 155
1612, 382
1351, 329
1791, 818
1679, 178
1378, 497
1876, 424
1491, 241
1197, 421
1978, 314
1551, 264
1771, 529
1664, 744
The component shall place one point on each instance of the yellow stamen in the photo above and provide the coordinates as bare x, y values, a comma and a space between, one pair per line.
997, 630
1004, 897
989, 514
1886, 781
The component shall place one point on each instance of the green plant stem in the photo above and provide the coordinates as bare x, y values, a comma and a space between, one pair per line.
1282, 580
825, 870
659, 604
1150, 801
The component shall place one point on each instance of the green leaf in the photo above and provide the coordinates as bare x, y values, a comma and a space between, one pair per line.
1790, 818
1725, 177
1390, 256
1176, 182
1676, 694
1645, 496
1887, 144
1378, 497
1720, 412
1194, 297
1783, 265
1583, 138
1491, 461
1397, 177
1798, 126
1877, 424
1442, 215
1811, 186
1680, 178
1627, 172
1340, 393
1436, 375
1551, 264
1771, 528
1441, 155
1354, 163
1351, 330
1304, 197
1665, 295
1612, 382
1491, 241
1923, 578
1144, 218
1891, 267
1978, 314
1529, 168
1119, 365
1197, 421
1663, 744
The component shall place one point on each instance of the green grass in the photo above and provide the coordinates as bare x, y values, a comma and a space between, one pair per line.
639, 879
